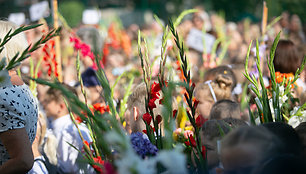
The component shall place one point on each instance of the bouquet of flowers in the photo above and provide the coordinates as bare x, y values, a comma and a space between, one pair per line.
272, 102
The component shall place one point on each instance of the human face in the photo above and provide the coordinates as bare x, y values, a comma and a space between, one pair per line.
204, 108
51, 107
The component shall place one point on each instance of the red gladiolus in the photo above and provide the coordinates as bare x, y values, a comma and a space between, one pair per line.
200, 121
101, 108
86, 143
144, 131
78, 119
204, 152
187, 143
147, 118
155, 95
50, 58
84, 49
174, 112
152, 104
159, 119
99, 161
195, 103
155, 87
193, 85
192, 140
152, 128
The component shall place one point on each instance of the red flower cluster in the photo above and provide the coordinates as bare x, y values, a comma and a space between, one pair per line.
50, 57
102, 108
155, 88
84, 48
79, 45
147, 118
192, 141
99, 161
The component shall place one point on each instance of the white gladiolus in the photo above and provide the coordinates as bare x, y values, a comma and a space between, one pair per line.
295, 120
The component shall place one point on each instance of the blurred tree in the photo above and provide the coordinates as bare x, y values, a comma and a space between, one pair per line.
72, 11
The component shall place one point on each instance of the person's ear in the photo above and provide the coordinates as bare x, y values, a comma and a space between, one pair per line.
135, 113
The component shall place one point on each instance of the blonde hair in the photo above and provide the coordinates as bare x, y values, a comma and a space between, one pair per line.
18, 43
47, 141
222, 87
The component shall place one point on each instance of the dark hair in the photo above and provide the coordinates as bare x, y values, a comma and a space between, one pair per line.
234, 122
288, 136
287, 58
214, 129
224, 109
301, 128
225, 71
281, 164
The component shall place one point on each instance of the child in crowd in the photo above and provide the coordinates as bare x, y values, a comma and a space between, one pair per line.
65, 131
225, 109
212, 132
136, 108
211, 91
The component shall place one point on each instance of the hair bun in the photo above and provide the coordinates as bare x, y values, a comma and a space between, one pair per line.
224, 81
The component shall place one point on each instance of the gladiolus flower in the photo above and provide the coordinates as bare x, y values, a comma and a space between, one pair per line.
200, 121
144, 131
174, 113
187, 143
147, 118
152, 104
158, 118
101, 108
188, 133
192, 140
193, 85
195, 103
155, 87
99, 161
204, 152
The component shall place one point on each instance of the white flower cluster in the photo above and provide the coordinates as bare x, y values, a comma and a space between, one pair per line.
297, 117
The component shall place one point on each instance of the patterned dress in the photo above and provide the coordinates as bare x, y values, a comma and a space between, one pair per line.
18, 109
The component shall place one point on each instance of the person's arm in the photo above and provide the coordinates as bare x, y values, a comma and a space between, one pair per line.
18, 146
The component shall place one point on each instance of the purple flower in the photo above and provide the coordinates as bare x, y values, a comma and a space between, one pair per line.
142, 145
254, 71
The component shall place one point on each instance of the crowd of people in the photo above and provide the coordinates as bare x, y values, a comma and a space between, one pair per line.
216, 56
